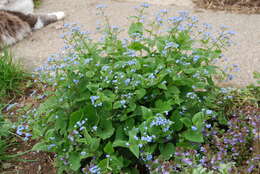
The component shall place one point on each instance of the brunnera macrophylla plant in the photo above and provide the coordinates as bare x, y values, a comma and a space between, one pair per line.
118, 103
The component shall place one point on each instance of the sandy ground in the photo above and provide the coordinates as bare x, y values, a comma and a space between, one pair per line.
34, 51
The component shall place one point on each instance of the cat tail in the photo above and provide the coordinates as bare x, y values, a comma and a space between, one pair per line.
37, 21
46, 19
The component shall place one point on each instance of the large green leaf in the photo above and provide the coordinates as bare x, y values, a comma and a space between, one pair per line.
187, 122
167, 151
134, 149
194, 136
105, 129
147, 113
140, 93
74, 160
41, 146
198, 119
108, 149
75, 117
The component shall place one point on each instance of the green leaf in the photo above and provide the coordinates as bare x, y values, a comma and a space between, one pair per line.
187, 122
116, 163
177, 124
140, 93
74, 160
41, 146
198, 119
109, 148
90, 114
89, 74
61, 124
133, 142
135, 28
94, 144
136, 46
120, 143
162, 86
75, 117
134, 149
194, 136
105, 129
167, 151
162, 106
117, 105
147, 113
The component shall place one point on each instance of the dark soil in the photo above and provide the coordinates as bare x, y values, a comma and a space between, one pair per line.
31, 162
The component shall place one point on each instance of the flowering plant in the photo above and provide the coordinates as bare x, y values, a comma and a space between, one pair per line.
118, 103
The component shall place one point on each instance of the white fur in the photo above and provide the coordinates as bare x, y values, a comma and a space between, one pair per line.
39, 24
24, 6
60, 15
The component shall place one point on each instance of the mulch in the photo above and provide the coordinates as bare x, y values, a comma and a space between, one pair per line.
239, 6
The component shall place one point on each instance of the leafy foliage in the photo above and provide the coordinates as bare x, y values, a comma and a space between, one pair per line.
120, 103
11, 76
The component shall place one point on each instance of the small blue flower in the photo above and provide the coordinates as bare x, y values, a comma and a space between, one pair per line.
101, 6
122, 102
127, 81
94, 128
83, 153
145, 5
194, 128
151, 76
209, 112
93, 99
105, 67
164, 11
75, 81
149, 157
196, 58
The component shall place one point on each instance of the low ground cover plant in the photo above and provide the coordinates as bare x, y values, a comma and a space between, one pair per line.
121, 104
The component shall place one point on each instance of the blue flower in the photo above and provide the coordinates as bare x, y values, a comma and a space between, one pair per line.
75, 81
209, 112
83, 153
122, 102
93, 99
130, 53
164, 11
95, 170
196, 58
101, 6
149, 157
131, 62
105, 67
145, 5
194, 128
127, 81
151, 76
171, 45
175, 19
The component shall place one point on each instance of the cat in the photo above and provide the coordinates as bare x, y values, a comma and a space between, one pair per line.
17, 20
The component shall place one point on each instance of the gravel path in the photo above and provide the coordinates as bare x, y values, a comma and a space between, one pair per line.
34, 51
